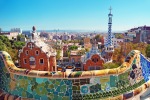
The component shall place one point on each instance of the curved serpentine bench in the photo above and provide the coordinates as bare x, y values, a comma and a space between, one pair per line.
123, 82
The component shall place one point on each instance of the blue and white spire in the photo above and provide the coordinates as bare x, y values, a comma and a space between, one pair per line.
109, 38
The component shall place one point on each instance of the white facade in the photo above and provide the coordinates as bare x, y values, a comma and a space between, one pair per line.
115, 42
131, 36
10, 35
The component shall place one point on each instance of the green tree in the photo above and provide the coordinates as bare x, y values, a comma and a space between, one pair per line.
4, 38
148, 51
110, 65
82, 51
13, 53
73, 47
18, 44
10, 46
87, 49
98, 38
120, 53
58, 55
66, 53
119, 35
2, 46
19, 37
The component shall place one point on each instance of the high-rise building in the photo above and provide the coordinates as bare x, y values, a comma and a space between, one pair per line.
16, 30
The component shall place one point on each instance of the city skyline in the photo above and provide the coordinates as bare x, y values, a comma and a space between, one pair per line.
73, 14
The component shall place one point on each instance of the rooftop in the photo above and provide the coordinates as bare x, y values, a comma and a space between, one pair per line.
39, 42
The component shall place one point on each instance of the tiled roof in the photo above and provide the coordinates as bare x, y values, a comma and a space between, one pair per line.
44, 47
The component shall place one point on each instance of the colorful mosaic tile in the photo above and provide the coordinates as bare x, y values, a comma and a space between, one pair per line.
78, 88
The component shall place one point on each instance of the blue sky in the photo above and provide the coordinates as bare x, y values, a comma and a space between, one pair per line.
73, 14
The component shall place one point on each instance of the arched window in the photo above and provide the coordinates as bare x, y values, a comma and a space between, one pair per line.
27, 52
95, 60
25, 61
32, 60
31, 46
41, 61
37, 52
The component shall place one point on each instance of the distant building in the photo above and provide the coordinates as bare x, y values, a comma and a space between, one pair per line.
116, 42
93, 59
75, 59
72, 37
23, 39
65, 36
46, 35
79, 37
87, 43
16, 30
56, 37
10, 35
140, 34
136, 39
65, 48
26, 33
36, 55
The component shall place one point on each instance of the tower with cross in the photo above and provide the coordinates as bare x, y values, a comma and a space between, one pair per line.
109, 48
109, 38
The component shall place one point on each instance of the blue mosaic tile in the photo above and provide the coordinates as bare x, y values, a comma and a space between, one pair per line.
67, 94
44, 97
62, 83
29, 95
39, 80
37, 96
55, 93
58, 89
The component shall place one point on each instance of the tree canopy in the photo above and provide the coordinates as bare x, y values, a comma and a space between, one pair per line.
10, 46
98, 37
58, 55
20, 36
119, 35
73, 47
110, 65
120, 53
148, 51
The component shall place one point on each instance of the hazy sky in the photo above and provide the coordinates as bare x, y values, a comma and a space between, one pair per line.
73, 14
